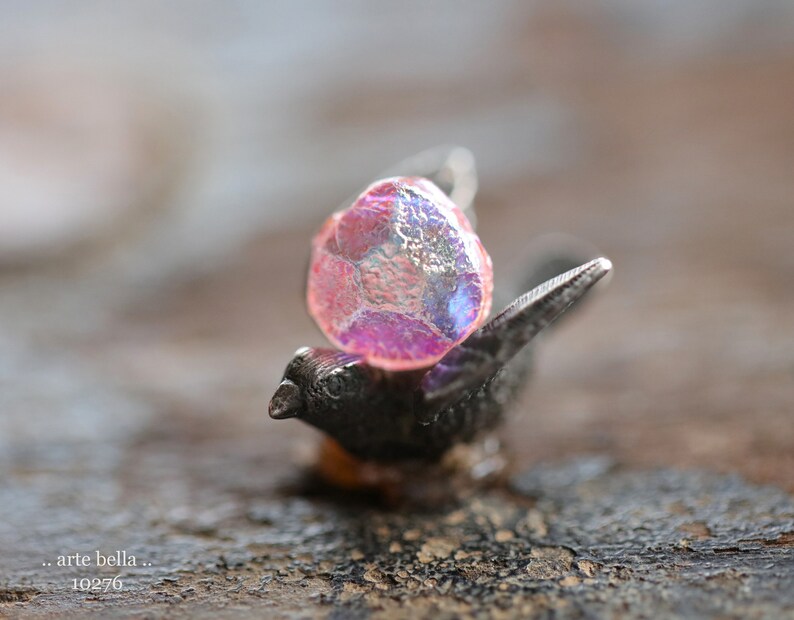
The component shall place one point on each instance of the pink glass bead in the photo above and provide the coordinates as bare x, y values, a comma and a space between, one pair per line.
400, 277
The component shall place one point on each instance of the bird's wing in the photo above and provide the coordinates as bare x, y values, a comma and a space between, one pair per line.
468, 365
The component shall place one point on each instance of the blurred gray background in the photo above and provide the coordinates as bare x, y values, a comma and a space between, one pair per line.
164, 165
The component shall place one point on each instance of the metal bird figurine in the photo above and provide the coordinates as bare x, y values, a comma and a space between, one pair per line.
388, 417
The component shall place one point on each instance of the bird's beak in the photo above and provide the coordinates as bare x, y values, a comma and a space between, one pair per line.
286, 402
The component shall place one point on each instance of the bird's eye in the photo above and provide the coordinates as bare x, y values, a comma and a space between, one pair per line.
334, 386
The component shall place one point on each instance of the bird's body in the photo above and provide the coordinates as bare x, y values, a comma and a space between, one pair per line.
379, 422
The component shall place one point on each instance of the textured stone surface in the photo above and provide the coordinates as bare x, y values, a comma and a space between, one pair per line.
400, 277
583, 537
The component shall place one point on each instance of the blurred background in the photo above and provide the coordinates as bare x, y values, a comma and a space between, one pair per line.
164, 165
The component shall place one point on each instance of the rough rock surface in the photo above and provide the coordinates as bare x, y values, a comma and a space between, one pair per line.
582, 538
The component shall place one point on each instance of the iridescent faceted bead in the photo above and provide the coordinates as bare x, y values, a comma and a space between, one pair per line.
400, 277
